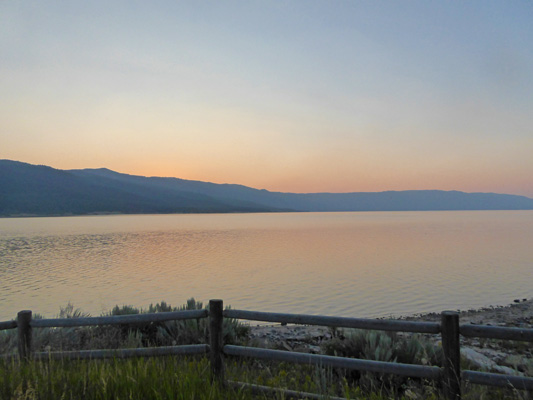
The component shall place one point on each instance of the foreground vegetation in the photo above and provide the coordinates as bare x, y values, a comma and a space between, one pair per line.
190, 377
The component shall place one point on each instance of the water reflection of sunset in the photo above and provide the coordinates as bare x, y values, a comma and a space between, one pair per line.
355, 264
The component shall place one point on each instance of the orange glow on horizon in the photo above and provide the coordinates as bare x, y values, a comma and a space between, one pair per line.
362, 176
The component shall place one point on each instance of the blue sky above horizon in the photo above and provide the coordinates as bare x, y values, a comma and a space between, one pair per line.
302, 96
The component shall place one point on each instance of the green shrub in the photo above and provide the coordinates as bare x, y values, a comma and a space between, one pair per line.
189, 331
197, 330
382, 346
124, 335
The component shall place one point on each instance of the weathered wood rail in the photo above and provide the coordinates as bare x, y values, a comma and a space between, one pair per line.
449, 374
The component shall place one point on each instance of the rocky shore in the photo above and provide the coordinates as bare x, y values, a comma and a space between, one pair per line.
517, 314
490, 355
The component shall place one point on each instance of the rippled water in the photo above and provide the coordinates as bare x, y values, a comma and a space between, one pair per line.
350, 264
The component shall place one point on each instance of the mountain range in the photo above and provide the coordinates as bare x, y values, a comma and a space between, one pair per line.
37, 190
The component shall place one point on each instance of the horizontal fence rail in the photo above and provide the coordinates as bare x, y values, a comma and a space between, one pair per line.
119, 319
338, 322
191, 349
8, 325
419, 371
499, 380
286, 393
450, 374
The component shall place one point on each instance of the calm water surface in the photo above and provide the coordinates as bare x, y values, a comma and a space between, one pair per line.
350, 264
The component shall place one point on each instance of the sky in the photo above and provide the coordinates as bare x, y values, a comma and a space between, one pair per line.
292, 96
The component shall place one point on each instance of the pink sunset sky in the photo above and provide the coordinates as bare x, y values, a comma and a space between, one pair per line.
300, 96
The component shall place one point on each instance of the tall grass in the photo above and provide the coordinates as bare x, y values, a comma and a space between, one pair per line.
189, 378
162, 378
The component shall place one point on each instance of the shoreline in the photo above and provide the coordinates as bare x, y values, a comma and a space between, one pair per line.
492, 355
516, 314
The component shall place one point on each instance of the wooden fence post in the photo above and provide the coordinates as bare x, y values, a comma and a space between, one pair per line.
215, 338
451, 362
24, 334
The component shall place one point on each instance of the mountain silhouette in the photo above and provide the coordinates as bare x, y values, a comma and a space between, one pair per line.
38, 190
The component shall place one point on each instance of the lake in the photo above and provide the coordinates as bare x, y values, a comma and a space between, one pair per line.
366, 264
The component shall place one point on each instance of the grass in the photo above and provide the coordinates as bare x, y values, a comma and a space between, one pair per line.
162, 378
190, 378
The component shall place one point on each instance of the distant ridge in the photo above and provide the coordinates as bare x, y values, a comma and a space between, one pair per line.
37, 190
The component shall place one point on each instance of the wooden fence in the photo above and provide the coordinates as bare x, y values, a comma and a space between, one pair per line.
449, 374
